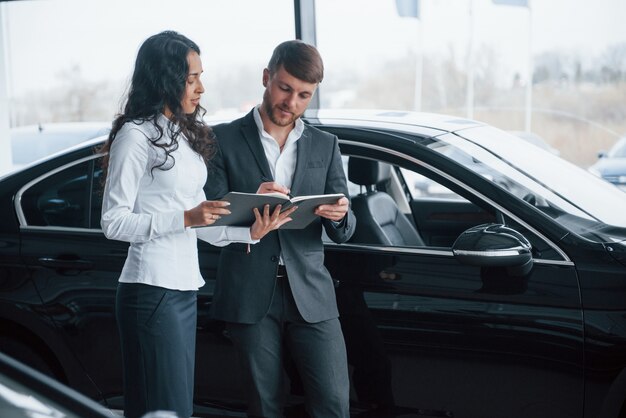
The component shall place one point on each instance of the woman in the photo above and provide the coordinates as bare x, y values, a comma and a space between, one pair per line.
155, 172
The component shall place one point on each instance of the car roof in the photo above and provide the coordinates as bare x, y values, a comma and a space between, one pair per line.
35, 142
430, 124
61, 127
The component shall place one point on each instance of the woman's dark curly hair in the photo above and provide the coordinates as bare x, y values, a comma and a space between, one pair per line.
159, 78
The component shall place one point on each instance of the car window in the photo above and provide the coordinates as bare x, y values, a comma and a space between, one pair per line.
418, 185
421, 186
395, 213
69, 198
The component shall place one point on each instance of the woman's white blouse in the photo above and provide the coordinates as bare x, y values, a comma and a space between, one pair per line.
146, 208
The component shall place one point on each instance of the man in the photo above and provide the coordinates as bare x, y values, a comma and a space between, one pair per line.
277, 294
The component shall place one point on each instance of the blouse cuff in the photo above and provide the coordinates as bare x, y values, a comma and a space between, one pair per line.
240, 234
170, 222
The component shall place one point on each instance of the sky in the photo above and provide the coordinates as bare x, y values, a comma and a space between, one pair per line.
44, 37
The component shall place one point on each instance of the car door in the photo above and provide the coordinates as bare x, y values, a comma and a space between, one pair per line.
428, 334
218, 377
75, 269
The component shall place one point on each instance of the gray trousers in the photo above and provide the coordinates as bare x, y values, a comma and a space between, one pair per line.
318, 351
158, 335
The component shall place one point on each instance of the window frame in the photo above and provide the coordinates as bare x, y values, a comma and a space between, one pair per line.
21, 217
351, 147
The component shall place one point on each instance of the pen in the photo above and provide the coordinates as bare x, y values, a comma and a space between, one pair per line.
265, 179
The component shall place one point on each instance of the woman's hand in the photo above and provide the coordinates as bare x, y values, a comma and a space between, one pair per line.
269, 222
206, 213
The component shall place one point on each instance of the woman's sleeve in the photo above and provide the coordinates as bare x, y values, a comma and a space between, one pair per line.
224, 235
128, 163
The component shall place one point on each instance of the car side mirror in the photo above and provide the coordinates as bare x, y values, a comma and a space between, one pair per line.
494, 245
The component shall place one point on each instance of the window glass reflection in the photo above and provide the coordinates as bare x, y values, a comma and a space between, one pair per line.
62, 199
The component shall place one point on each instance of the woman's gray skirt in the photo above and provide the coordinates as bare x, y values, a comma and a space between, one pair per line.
158, 335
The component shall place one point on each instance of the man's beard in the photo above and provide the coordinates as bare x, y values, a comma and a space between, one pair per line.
269, 110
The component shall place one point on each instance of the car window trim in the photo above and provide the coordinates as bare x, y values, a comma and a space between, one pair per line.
18, 197
60, 229
425, 251
462, 185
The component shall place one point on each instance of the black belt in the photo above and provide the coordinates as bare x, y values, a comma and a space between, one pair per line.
282, 272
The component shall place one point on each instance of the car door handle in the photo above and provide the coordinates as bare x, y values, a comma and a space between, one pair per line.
388, 276
57, 263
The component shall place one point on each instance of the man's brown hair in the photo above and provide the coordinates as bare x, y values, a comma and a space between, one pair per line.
299, 59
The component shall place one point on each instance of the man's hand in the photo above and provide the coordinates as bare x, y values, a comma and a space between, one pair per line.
334, 212
268, 222
272, 187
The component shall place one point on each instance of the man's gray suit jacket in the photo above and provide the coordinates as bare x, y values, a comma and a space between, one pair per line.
246, 281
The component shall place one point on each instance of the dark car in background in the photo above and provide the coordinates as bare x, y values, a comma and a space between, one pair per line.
611, 166
507, 299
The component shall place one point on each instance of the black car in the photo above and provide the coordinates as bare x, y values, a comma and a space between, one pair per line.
503, 297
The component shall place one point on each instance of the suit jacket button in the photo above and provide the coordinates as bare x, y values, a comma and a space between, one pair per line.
274, 258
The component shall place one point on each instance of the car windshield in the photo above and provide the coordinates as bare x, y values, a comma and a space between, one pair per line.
557, 187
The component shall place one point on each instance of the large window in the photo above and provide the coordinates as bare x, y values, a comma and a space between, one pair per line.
501, 62
71, 60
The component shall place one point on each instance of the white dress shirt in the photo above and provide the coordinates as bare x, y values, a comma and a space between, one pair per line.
282, 164
145, 207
